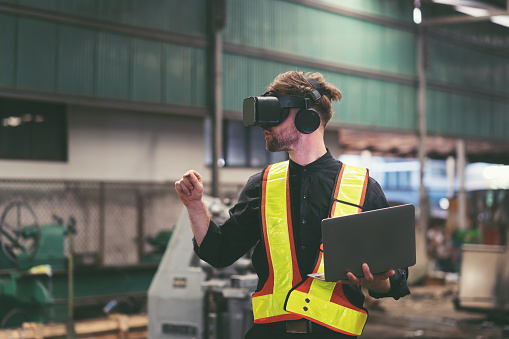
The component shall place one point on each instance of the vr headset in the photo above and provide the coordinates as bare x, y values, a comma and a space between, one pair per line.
272, 109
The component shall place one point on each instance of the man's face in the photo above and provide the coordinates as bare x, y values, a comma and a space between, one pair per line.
283, 137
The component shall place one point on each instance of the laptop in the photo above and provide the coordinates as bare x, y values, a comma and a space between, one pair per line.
383, 238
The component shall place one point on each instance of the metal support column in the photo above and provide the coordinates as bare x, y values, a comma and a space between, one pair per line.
102, 225
462, 195
421, 111
450, 170
140, 229
217, 22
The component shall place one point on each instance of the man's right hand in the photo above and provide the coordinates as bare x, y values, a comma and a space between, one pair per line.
190, 192
190, 188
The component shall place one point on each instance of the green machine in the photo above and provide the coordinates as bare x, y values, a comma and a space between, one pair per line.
39, 283
29, 254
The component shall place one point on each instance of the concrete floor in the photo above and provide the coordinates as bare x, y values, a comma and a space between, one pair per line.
428, 312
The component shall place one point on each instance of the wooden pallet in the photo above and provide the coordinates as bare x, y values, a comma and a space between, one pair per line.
116, 326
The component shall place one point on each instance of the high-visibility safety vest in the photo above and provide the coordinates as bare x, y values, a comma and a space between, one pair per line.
285, 296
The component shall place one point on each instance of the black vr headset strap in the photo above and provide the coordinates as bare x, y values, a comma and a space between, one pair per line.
290, 101
307, 120
293, 101
317, 88
314, 94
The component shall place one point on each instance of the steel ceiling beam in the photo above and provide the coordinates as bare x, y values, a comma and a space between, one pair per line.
457, 19
491, 12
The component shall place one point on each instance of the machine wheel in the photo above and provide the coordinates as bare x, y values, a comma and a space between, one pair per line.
19, 232
14, 317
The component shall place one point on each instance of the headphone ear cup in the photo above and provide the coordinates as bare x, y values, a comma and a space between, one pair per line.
307, 120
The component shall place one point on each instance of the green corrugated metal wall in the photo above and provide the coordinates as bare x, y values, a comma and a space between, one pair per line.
366, 48
365, 101
53, 57
468, 116
188, 17
476, 67
320, 35
401, 10
330, 38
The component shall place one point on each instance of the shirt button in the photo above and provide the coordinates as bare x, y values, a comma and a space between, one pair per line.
303, 247
305, 196
304, 221
305, 170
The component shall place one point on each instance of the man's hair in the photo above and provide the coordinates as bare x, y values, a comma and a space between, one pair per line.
295, 83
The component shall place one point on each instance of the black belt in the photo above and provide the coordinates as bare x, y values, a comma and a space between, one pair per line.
300, 326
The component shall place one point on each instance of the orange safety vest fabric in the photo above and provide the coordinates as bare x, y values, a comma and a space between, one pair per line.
314, 299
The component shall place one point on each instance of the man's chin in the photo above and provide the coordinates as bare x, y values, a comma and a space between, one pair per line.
271, 147
274, 148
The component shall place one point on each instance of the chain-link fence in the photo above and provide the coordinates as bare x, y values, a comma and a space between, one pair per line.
113, 220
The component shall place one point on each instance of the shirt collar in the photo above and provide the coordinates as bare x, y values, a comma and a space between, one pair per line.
324, 161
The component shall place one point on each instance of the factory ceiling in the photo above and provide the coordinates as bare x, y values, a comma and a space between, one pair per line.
496, 11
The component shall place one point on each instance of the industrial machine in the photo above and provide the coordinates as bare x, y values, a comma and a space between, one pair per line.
40, 283
29, 254
189, 299
484, 281
484, 284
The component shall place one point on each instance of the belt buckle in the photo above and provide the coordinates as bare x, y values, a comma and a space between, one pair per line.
298, 326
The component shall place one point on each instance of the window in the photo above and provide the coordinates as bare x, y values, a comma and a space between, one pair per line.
398, 180
32, 130
245, 146
242, 146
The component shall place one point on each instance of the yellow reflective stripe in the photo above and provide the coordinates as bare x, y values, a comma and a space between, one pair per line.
269, 305
351, 188
279, 170
322, 289
344, 209
321, 268
278, 237
352, 184
326, 312
277, 226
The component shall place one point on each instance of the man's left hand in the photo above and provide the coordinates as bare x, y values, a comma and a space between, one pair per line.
378, 283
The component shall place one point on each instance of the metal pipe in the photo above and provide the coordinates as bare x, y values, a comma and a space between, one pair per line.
462, 196
421, 112
450, 165
218, 19
71, 334
140, 229
102, 229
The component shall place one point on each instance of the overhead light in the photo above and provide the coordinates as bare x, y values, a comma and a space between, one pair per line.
472, 11
446, 2
417, 12
444, 203
501, 20
417, 15
12, 121
466, 3
476, 9
497, 176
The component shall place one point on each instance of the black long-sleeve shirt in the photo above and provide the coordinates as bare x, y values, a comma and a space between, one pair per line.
311, 189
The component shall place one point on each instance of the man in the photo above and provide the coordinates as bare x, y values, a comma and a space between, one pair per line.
280, 210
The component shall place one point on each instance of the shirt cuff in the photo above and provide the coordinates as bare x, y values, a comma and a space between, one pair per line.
207, 240
399, 286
